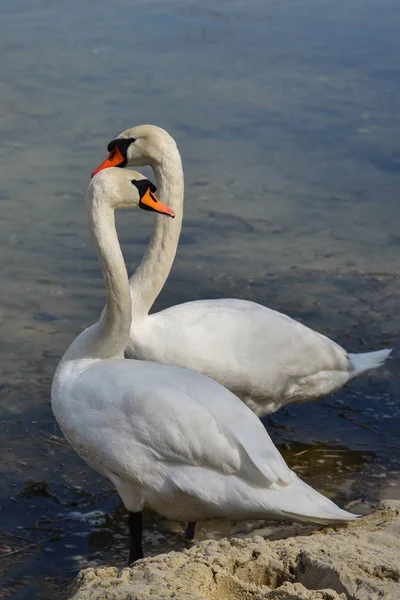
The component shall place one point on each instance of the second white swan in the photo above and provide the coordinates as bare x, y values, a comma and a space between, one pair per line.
268, 359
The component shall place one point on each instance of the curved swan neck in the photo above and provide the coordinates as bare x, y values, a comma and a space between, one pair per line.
149, 278
114, 324
107, 338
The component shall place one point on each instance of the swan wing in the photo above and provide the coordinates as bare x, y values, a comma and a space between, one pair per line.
263, 356
162, 415
244, 329
240, 423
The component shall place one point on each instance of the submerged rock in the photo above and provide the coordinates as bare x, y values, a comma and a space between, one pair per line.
358, 561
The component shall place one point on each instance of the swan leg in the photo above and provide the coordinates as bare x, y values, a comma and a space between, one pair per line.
135, 521
190, 531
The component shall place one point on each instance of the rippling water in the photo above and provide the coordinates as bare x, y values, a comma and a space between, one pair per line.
287, 117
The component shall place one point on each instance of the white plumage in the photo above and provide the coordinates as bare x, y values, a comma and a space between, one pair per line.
178, 442
268, 359
166, 437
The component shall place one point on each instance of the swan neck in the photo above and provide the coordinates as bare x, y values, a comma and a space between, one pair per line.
107, 338
151, 275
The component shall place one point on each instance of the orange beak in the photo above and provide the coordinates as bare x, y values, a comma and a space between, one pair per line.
114, 159
149, 201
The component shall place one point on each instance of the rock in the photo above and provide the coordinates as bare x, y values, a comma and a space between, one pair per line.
357, 561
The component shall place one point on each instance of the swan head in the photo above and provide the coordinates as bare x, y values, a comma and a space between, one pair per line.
125, 189
139, 146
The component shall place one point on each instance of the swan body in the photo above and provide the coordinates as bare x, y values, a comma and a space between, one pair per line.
156, 433
268, 359
166, 437
221, 338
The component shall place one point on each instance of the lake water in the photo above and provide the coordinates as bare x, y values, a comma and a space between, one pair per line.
287, 115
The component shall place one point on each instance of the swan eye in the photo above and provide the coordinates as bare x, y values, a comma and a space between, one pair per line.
143, 186
117, 154
122, 144
148, 200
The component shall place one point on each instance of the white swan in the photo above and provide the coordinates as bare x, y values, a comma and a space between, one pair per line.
166, 437
265, 357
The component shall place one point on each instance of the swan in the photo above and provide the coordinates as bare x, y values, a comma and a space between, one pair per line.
263, 356
166, 437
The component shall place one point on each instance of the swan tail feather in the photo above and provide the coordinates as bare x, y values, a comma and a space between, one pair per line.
311, 506
368, 360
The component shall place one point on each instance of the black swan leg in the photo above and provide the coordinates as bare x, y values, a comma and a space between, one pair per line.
135, 521
190, 531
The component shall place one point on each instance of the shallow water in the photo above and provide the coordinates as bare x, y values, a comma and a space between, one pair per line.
287, 117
